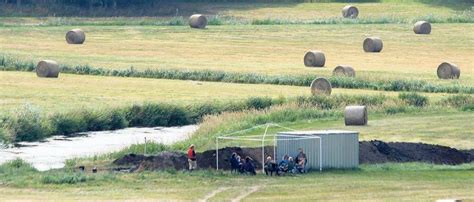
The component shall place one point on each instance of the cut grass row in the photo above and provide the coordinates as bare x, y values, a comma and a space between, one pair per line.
261, 50
9, 64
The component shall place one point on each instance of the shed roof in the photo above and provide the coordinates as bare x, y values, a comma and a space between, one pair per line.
320, 132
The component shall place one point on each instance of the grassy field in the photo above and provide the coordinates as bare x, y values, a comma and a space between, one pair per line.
268, 39
441, 126
73, 92
391, 11
273, 50
372, 182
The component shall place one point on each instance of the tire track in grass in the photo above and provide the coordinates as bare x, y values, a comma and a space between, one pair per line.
245, 194
213, 193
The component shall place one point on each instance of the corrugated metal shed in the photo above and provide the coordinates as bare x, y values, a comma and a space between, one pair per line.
340, 149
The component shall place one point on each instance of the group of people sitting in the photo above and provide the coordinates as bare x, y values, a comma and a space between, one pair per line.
237, 164
287, 164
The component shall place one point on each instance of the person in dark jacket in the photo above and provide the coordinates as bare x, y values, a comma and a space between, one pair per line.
241, 164
270, 166
192, 158
249, 166
234, 163
291, 165
283, 165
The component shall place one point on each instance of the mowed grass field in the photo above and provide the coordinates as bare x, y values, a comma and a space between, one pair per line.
76, 92
391, 182
408, 10
273, 50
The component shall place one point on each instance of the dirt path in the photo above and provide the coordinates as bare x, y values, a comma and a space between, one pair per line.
213, 193
245, 194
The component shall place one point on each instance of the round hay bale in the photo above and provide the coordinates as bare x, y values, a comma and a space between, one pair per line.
321, 86
447, 70
75, 36
350, 11
314, 59
344, 70
198, 21
373, 44
422, 27
355, 115
47, 69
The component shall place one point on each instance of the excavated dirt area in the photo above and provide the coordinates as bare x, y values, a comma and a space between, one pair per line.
370, 152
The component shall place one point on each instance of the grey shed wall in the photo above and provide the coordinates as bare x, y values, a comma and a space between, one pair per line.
340, 149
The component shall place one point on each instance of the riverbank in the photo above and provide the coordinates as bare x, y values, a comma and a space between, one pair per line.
53, 152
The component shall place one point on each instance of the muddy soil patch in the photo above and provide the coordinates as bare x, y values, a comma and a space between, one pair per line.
372, 152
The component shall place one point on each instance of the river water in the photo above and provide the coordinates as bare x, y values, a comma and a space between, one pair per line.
53, 152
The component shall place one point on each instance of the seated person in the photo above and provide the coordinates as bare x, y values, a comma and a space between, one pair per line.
291, 165
270, 166
283, 165
249, 166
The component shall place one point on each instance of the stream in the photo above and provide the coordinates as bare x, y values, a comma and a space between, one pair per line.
53, 152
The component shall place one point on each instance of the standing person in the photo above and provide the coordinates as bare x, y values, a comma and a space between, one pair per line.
234, 163
192, 158
241, 164
301, 161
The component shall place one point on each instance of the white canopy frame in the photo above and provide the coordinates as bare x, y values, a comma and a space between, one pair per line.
263, 139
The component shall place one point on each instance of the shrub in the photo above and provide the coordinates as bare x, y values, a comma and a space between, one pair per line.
149, 115
414, 99
468, 107
337, 101
215, 20
15, 166
322, 102
68, 123
65, 178
458, 100
25, 124
395, 109
258, 103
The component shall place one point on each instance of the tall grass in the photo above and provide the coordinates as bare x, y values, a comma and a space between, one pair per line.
8, 63
414, 99
30, 124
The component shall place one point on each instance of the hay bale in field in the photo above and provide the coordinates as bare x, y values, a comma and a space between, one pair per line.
75, 36
447, 70
198, 21
449, 200
373, 44
321, 86
314, 58
422, 27
350, 11
47, 69
344, 70
355, 115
